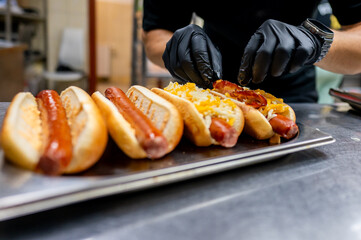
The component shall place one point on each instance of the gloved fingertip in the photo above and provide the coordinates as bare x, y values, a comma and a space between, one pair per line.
218, 75
242, 77
257, 80
276, 73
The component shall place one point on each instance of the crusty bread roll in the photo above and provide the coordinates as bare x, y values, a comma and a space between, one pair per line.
22, 132
197, 124
162, 114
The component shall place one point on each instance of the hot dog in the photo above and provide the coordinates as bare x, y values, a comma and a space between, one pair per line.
223, 132
58, 146
208, 119
54, 134
142, 124
150, 138
283, 126
265, 115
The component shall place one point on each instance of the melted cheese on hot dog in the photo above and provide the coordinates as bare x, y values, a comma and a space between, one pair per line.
207, 104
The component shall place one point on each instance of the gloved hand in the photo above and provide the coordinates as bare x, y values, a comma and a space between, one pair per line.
277, 48
190, 56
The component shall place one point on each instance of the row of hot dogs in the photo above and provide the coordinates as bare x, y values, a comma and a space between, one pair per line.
67, 133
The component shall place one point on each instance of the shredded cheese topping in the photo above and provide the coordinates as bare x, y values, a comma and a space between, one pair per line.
207, 104
274, 105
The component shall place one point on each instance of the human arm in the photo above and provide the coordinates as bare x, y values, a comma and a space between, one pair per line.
344, 55
154, 44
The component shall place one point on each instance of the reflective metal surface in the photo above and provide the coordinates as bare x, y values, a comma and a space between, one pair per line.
23, 192
310, 194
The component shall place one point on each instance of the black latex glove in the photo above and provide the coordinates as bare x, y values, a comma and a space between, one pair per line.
277, 48
190, 56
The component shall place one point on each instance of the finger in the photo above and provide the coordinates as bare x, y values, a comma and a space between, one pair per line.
175, 63
302, 53
178, 53
190, 70
202, 58
182, 61
171, 57
245, 70
216, 60
166, 57
282, 55
263, 59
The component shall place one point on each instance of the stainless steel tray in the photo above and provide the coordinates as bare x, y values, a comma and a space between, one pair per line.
23, 192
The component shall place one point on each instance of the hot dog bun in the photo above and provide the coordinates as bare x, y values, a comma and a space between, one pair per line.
197, 116
87, 126
22, 132
162, 114
257, 123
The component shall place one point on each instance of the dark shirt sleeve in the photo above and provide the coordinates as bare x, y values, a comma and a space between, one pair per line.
347, 12
166, 14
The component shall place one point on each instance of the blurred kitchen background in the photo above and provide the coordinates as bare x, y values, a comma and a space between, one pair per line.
92, 44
